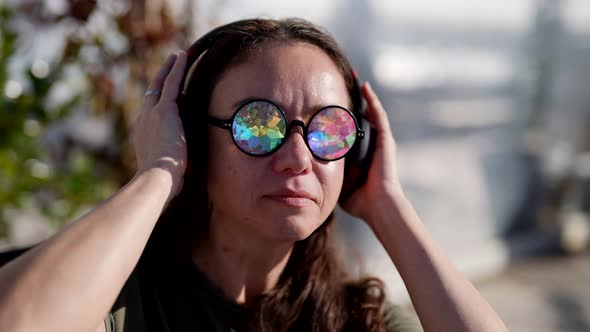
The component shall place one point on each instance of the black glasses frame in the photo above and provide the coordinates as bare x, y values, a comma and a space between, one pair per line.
228, 125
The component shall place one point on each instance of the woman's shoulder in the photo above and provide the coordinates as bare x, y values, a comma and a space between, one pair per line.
127, 314
400, 319
162, 296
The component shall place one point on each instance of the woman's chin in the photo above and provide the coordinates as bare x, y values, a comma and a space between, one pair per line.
292, 229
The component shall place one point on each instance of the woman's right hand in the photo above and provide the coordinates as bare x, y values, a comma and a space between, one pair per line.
96, 254
157, 135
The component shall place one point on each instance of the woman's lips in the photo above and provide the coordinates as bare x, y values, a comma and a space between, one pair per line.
292, 197
292, 201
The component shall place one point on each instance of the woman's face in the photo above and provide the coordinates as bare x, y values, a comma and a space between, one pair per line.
288, 194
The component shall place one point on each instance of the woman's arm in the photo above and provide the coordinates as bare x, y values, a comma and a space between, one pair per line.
443, 298
69, 282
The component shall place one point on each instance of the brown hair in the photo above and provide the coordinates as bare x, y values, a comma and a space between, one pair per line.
314, 293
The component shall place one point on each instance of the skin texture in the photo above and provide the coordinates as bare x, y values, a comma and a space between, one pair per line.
252, 229
301, 79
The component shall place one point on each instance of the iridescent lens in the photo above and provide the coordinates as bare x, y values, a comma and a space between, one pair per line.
331, 133
258, 128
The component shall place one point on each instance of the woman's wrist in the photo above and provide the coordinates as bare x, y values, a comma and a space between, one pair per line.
162, 179
392, 208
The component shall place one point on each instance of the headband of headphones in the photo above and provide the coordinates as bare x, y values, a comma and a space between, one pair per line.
192, 55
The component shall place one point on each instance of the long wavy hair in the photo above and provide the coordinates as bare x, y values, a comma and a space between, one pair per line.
314, 292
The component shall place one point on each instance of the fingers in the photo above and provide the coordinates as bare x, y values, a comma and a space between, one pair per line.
158, 81
172, 82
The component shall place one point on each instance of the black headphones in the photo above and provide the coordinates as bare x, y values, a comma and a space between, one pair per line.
358, 160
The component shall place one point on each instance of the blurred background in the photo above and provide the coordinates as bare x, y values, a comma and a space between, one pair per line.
489, 102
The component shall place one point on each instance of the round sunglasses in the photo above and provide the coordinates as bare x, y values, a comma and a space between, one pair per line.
259, 127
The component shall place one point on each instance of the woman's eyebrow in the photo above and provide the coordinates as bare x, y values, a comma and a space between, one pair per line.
308, 110
247, 99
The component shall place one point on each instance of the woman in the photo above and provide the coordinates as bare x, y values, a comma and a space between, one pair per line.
243, 239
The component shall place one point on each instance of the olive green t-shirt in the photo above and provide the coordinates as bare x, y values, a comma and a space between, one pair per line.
157, 299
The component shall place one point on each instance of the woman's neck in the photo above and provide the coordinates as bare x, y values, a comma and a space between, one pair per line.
240, 263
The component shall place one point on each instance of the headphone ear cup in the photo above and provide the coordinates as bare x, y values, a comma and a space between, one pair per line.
358, 160
364, 150
185, 115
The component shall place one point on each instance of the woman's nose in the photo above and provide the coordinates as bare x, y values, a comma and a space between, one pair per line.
293, 156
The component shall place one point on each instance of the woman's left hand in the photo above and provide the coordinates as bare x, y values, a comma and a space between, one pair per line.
448, 302
382, 181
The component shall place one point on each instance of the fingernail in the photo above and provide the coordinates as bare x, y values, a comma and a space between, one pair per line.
368, 85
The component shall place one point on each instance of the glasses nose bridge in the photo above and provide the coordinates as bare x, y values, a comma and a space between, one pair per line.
292, 125
295, 123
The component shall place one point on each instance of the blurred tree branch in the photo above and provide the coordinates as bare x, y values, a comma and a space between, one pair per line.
117, 46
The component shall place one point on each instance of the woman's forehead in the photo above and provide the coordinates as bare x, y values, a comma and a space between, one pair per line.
293, 75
